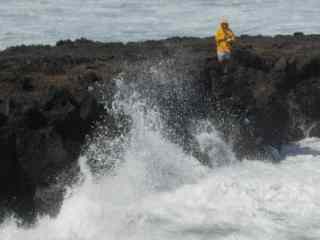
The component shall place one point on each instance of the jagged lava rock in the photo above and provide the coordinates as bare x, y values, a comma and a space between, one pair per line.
49, 102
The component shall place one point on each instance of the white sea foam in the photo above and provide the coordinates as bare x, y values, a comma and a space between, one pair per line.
157, 192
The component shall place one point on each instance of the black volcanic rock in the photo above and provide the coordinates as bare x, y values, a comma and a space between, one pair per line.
50, 99
273, 86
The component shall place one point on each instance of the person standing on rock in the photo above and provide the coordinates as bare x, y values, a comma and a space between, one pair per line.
224, 39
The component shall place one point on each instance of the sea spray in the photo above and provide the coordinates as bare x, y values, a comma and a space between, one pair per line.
157, 191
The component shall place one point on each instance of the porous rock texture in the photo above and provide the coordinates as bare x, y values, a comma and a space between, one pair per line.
51, 97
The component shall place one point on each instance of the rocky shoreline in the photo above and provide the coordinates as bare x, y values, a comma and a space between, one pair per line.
51, 99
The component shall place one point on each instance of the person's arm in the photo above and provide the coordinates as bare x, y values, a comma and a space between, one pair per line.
232, 37
220, 37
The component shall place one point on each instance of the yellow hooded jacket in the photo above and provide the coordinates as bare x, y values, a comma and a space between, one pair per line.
222, 36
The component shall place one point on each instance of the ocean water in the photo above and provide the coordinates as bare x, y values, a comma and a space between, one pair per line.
155, 191
47, 21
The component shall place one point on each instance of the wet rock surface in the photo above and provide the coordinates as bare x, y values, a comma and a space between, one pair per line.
272, 89
51, 97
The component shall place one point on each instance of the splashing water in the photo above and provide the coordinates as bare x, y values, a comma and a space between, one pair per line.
156, 191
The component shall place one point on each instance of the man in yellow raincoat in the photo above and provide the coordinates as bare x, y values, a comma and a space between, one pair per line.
224, 40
